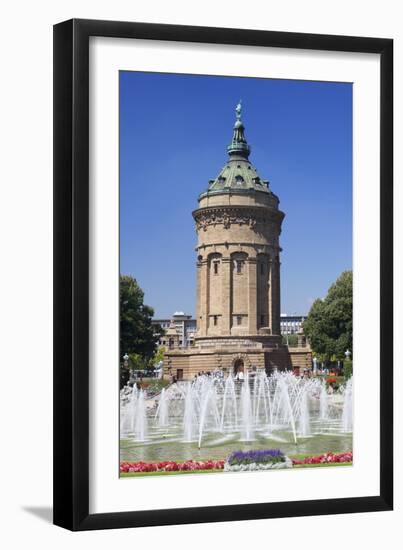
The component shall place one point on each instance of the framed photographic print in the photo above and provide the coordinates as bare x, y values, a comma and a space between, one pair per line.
223, 274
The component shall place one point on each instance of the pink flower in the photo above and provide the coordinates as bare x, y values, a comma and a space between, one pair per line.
171, 466
326, 457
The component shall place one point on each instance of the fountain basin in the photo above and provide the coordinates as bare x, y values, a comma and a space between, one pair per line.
210, 417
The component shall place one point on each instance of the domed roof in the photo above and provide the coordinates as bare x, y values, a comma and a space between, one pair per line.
238, 174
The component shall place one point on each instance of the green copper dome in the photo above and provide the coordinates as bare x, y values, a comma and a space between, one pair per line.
238, 174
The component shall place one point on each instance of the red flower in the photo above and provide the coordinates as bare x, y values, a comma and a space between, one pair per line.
327, 457
171, 466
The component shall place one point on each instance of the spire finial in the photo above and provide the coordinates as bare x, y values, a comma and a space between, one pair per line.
238, 110
239, 145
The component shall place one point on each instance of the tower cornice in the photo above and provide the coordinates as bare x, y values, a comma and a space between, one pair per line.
236, 214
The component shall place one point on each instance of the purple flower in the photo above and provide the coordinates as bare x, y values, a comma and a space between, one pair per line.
256, 456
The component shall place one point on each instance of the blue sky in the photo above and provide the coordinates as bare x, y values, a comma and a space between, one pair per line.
174, 130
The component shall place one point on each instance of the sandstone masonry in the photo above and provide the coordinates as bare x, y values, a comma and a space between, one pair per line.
238, 224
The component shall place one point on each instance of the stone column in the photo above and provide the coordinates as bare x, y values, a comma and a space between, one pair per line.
226, 296
269, 300
275, 295
198, 296
202, 294
252, 294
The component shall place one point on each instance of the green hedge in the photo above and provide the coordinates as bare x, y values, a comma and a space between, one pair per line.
348, 369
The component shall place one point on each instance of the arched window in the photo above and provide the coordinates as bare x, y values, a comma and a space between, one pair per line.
263, 264
239, 259
214, 263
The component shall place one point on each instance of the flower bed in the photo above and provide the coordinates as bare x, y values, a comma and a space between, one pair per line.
325, 458
267, 459
238, 461
170, 466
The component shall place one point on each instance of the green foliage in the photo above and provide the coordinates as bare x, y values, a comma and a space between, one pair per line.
137, 334
329, 325
124, 375
137, 362
138, 337
290, 339
348, 369
158, 355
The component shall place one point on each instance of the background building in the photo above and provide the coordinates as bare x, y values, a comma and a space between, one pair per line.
184, 325
291, 324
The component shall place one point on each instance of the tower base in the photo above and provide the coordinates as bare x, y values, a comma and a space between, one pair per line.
233, 355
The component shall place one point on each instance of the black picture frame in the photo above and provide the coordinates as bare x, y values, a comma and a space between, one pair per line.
71, 274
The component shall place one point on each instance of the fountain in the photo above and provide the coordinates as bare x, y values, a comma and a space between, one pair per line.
209, 417
128, 412
162, 410
323, 403
189, 416
229, 407
212, 410
140, 423
284, 413
347, 417
262, 399
304, 424
246, 412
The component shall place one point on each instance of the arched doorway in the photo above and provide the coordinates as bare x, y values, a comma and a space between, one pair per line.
239, 366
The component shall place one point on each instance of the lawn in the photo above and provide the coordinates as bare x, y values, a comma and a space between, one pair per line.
323, 465
140, 474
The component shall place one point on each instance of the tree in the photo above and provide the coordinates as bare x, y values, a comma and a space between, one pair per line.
137, 362
348, 369
329, 325
290, 339
159, 355
137, 334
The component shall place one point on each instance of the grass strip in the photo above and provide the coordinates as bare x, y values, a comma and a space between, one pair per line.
176, 472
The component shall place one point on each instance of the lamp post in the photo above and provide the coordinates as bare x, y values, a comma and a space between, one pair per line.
347, 355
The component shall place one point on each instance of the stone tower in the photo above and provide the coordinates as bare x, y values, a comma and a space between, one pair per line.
238, 225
